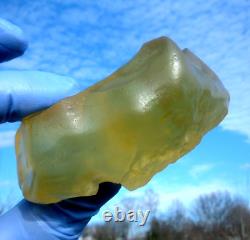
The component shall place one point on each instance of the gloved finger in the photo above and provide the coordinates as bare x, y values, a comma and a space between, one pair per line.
27, 226
77, 210
25, 92
12, 41
106, 191
70, 216
63, 220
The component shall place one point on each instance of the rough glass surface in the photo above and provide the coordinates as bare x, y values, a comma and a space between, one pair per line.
124, 129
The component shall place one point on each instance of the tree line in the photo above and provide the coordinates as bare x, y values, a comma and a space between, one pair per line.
214, 216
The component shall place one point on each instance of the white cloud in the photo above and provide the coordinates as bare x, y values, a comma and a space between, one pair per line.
245, 166
78, 15
200, 169
7, 138
185, 193
109, 33
5, 183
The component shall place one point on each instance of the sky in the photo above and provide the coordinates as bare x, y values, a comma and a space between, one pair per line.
88, 40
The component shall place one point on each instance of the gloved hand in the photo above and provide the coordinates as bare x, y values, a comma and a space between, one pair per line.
22, 93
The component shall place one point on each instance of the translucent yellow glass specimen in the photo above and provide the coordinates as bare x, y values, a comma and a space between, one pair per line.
124, 129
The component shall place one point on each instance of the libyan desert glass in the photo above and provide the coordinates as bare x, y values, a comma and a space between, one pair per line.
124, 129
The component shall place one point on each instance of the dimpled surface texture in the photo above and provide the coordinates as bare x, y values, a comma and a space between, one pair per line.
124, 129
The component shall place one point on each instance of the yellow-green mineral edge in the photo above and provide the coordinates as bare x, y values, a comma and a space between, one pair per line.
124, 129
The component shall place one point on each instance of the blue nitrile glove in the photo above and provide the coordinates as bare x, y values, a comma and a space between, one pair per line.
22, 93
12, 41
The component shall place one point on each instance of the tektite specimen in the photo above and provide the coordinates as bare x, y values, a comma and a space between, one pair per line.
123, 129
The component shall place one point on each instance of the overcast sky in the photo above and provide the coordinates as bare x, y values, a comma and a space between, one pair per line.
88, 40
